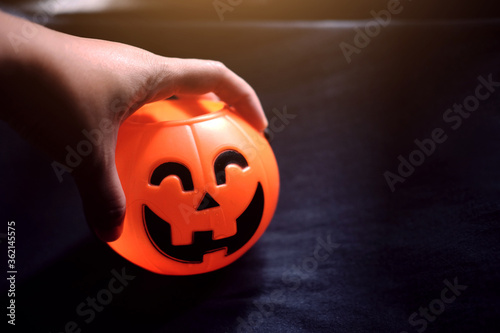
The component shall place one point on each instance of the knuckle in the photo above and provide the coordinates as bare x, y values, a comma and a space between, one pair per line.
218, 66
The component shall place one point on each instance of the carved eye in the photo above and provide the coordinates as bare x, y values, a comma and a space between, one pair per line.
171, 168
223, 160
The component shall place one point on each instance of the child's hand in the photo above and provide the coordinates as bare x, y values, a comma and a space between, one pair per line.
56, 86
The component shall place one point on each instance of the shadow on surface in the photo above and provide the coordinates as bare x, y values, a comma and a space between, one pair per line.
67, 291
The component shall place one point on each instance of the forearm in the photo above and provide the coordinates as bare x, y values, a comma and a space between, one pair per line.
19, 39
23, 66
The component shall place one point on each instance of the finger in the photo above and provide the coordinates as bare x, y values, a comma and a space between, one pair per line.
194, 76
102, 198
208, 96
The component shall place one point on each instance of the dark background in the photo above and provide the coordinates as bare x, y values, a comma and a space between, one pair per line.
393, 249
260, 10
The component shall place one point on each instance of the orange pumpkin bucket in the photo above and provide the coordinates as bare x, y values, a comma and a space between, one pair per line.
201, 186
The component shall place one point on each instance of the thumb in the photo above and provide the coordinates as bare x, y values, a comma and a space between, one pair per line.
102, 198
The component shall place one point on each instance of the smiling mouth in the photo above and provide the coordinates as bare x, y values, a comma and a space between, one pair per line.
160, 233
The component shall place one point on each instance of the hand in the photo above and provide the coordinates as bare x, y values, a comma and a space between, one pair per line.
57, 86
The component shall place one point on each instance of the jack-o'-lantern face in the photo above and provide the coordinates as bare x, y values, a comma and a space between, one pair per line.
208, 234
200, 190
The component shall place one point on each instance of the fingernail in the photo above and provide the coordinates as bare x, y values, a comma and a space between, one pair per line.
267, 134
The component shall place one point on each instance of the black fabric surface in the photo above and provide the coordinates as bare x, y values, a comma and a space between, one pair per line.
391, 253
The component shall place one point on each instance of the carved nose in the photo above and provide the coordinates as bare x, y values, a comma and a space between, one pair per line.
207, 202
